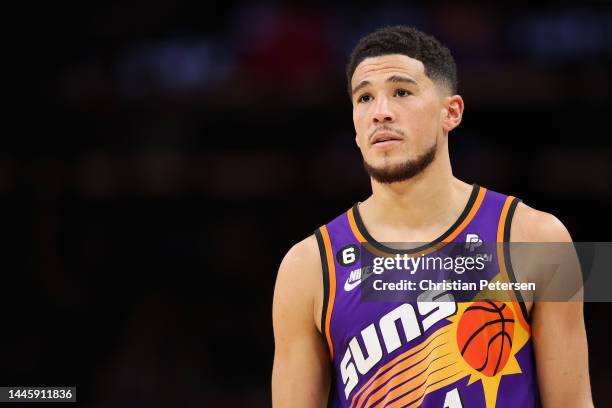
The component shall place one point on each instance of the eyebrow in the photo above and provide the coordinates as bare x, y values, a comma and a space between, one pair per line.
392, 78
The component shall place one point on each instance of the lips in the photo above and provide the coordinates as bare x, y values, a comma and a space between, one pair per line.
382, 137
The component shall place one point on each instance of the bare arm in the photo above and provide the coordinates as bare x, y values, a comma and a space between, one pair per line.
559, 336
300, 376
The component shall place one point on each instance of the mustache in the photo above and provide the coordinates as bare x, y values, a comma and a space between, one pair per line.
386, 128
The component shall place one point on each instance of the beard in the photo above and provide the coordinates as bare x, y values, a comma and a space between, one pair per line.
402, 171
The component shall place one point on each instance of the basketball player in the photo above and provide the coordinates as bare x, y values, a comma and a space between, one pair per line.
332, 349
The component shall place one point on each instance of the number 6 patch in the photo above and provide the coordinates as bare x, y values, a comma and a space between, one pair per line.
348, 255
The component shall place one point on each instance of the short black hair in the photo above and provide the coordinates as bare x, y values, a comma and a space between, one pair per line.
439, 63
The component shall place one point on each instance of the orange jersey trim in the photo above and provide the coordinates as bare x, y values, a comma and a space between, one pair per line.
332, 288
501, 231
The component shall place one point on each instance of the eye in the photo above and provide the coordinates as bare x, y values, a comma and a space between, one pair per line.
402, 92
364, 98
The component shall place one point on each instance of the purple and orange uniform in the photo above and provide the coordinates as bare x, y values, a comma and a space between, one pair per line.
442, 354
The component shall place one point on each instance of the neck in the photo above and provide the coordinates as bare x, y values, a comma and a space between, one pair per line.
433, 197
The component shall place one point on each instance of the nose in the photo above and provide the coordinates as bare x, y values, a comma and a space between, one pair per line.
382, 112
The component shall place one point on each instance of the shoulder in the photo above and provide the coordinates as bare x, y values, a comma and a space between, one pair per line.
303, 255
531, 225
298, 282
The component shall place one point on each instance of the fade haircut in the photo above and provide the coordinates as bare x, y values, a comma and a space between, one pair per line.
439, 64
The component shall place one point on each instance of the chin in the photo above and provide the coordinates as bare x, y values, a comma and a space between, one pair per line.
389, 161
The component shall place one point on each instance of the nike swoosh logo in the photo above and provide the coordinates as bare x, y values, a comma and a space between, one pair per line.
348, 286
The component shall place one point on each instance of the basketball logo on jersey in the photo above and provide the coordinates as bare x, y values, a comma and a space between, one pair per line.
487, 338
485, 335
480, 343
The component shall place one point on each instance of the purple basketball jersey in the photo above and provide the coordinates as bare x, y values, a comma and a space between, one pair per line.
424, 353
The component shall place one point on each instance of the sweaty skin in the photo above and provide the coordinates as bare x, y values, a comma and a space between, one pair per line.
399, 113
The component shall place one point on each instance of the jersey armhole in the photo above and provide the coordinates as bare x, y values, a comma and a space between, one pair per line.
329, 286
507, 224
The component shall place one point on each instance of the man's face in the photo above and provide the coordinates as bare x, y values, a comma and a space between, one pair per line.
397, 112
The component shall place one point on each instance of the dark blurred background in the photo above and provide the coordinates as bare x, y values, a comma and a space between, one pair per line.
167, 155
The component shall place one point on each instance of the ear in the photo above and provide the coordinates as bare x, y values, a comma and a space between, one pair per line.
452, 113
